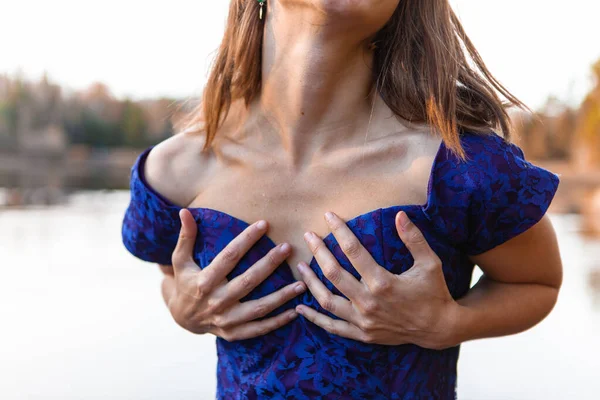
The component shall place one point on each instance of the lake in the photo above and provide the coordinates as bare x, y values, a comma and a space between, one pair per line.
83, 319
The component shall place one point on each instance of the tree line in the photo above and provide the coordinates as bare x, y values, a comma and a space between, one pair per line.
29, 111
44, 114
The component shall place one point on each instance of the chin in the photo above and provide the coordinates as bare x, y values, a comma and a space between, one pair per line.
373, 13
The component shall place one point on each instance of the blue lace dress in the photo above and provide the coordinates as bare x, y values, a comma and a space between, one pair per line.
471, 207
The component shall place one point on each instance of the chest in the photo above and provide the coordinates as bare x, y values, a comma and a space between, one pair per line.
375, 230
349, 182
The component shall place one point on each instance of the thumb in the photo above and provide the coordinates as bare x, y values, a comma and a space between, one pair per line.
182, 255
414, 240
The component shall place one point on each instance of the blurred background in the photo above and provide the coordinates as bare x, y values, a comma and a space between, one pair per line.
86, 86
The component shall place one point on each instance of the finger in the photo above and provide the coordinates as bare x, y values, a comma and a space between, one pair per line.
254, 309
334, 326
243, 284
338, 276
370, 271
228, 258
335, 304
415, 241
258, 328
181, 258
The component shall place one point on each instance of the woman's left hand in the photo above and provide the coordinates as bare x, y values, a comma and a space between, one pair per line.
382, 308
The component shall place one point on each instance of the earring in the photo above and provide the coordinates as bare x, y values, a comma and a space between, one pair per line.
261, 3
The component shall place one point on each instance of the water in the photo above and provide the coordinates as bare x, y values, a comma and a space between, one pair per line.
82, 319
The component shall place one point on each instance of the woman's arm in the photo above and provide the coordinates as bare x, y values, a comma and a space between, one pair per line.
519, 287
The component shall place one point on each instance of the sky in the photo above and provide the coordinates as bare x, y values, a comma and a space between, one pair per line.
141, 49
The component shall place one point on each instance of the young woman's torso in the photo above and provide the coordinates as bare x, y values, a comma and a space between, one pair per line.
249, 181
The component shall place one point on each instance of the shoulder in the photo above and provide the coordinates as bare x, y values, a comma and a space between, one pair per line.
164, 178
493, 195
509, 194
489, 158
178, 167
488, 148
497, 165
456, 179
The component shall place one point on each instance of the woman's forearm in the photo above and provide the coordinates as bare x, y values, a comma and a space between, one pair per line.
492, 309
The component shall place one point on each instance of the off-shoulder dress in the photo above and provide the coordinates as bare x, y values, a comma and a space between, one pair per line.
471, 207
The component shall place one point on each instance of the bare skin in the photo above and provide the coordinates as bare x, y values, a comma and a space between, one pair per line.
312, 141
315, 141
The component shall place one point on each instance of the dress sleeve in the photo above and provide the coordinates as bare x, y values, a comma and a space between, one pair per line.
150, 225
509, 195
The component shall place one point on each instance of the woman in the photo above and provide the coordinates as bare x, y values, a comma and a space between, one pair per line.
296, 120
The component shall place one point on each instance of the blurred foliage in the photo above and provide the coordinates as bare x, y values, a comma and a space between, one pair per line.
39, 115
133, 123
590, 111
562, 132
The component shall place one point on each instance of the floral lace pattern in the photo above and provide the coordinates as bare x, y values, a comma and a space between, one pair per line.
472, 207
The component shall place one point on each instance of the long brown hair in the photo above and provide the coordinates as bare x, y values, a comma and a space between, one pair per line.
421, 70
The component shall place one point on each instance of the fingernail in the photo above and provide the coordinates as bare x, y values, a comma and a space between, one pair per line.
301, 268
308, 236
285, 247
293, 314
328, 216
299, 310
404, 221
299, 289
261, 224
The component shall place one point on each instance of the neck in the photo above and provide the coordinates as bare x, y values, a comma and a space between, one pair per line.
316, 82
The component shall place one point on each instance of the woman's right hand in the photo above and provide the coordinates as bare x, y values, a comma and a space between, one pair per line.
203, 301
